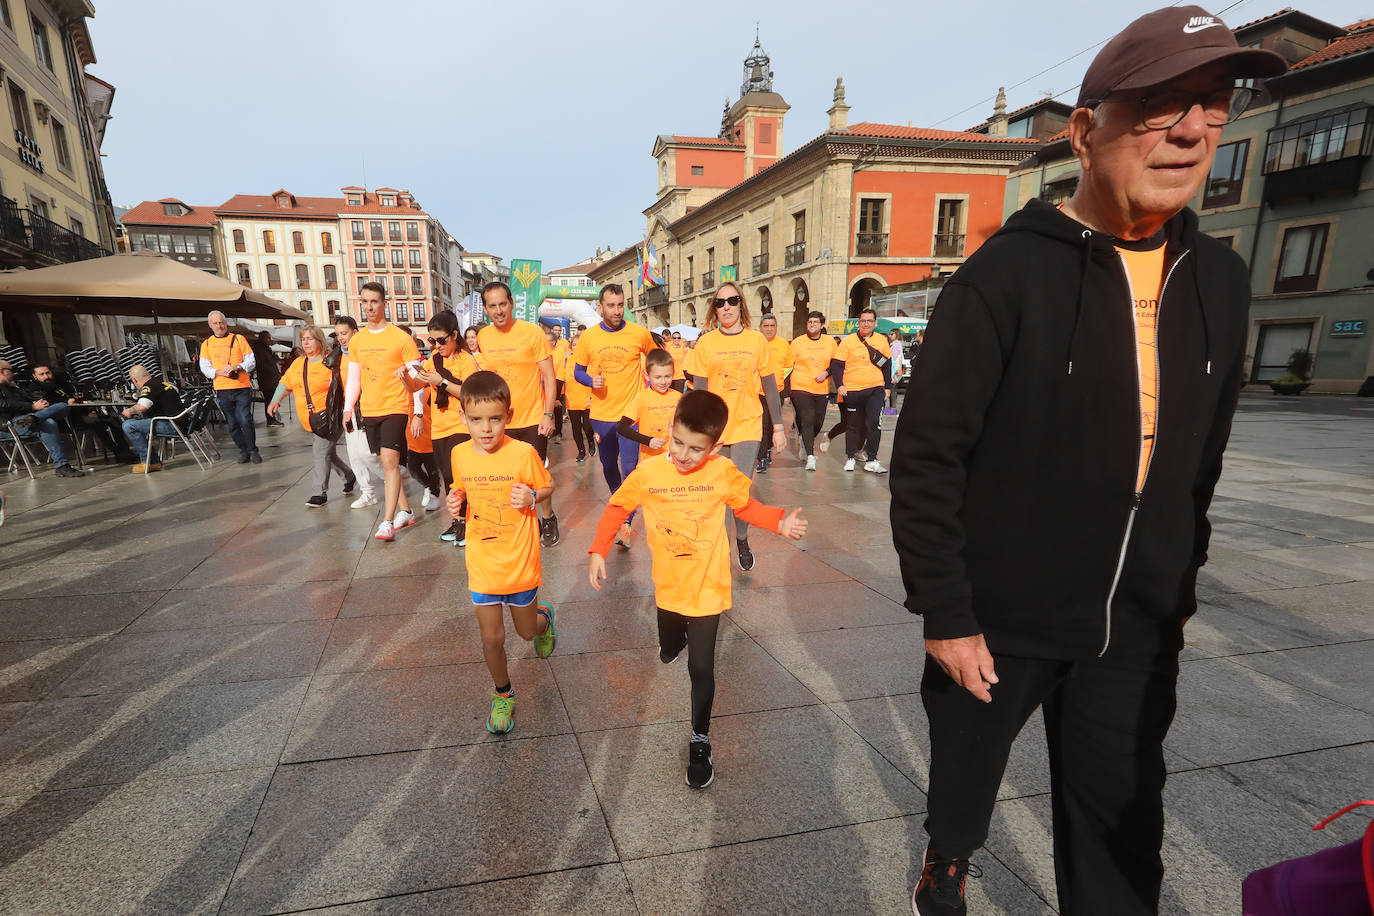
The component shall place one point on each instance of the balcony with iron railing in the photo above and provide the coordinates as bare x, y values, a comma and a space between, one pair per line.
687, 286
12, 228
760, 264
949, 246
794, 254
708, 280
871, 244
58, 242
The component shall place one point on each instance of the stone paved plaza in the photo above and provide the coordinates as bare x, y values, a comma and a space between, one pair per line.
215, 700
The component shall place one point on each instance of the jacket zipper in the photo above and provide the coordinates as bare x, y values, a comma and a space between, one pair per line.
1135, 497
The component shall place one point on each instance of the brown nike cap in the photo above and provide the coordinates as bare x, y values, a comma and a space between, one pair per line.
1167, 43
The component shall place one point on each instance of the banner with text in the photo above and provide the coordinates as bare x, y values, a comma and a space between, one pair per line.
524, 288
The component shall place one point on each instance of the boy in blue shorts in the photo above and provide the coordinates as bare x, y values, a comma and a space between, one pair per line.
501, 479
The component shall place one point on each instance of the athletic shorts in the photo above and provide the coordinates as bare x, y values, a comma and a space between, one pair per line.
386, 431
518, 599
531, 435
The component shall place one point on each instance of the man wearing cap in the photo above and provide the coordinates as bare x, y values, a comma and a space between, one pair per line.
1050, 486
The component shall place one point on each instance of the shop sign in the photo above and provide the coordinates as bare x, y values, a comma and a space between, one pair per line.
30, 152
1353, 328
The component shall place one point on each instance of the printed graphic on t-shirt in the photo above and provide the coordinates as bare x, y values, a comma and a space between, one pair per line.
681, 531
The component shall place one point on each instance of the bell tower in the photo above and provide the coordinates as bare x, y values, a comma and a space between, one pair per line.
756, 119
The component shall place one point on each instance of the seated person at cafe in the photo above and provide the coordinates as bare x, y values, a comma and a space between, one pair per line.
20, 406
157, 397
63, 401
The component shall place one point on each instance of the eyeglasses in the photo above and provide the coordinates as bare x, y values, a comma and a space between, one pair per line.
1163, 110
437, 341
732, 301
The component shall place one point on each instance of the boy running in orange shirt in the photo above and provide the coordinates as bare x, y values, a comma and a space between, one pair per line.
501, 478
649, 417
684, 495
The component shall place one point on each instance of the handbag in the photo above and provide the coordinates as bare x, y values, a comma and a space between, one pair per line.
1333, 882
324, 423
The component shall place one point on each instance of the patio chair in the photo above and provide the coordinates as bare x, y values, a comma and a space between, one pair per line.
169, 441
16, 448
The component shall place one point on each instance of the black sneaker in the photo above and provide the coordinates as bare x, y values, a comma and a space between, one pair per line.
319, 499
761, 467
940, 892
746, 556
67, 470
349, 484
255, 458
451, 532
591, 449
548, 531
667, 659
244, 458
700, 773
462, 537
581, 457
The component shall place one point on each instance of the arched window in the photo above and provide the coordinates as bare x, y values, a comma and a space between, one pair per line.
302, 276
269, 241
331, 277
333, 308
327, 242
239, 244
273, 276
242, 273
298, 242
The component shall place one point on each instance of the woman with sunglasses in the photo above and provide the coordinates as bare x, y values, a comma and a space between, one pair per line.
732, 360
449, 362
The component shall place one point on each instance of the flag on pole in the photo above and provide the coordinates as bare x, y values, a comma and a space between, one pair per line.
655, 272
639, 259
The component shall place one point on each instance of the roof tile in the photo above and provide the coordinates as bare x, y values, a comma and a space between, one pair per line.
149, 213
708, 141
898, 132
1341, 47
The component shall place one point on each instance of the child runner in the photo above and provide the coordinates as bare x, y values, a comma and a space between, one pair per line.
649, 416
501, 478
684, 495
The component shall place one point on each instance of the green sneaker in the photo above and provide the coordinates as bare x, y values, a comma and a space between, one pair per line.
502, 718
544, 642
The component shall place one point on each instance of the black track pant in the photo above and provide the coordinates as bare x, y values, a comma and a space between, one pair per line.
558, 409
699, 635
1105, 721
810, 409
424, 469
581, 422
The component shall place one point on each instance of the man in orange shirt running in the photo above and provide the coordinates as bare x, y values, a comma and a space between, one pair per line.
378, 354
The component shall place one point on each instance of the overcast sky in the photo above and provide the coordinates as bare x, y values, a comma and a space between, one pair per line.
527, 128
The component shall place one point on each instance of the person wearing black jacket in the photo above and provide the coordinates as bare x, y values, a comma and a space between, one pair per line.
59, 391
1050, 486
23, 408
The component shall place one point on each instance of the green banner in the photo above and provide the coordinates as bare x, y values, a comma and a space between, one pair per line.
525, 288
729, 273
568, 292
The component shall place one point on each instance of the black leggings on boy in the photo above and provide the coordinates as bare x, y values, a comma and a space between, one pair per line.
698, 636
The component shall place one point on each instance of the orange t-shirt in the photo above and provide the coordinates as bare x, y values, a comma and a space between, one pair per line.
733, 365
859, 372
1145, 273
781, 355
503, 543
562, 352
653, 414
679, 350
809, 359
684, 515
380, 354
449, 421
423, 443
515, 355
318, 377
618, 357
229, 350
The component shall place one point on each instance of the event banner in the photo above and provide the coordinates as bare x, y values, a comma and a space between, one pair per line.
524, 288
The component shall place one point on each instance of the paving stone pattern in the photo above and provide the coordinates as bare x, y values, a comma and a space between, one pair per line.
215, 700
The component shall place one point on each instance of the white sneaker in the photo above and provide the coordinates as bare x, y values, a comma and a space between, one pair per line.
403, 519
822, 443
874, 467
811, 462
849, 465
385, 532
428, 501
362, 502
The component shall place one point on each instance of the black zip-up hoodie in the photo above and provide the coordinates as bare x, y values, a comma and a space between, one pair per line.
1014, 464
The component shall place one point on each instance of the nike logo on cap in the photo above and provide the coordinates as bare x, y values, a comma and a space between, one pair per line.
1198, 23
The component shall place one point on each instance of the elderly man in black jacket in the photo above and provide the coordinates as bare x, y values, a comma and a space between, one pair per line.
21, 406
1050, 486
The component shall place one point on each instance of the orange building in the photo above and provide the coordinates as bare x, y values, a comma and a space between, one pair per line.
856, 211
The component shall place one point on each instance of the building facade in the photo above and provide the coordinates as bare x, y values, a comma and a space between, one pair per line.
181, 232
858, 210
285, 246
54, 206
1292, 191
390, 240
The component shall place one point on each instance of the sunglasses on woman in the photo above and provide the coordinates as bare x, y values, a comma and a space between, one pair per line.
438, 341
732, 301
